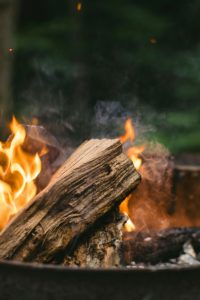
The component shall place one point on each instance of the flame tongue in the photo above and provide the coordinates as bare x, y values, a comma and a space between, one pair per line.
18, 169
133, 152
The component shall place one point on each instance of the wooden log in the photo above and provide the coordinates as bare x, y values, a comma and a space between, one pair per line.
160, 246
101, 246
97, 177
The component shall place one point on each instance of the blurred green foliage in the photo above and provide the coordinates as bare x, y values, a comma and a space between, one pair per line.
113, 50
180, 131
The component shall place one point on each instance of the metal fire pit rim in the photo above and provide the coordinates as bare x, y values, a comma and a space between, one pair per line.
64, 269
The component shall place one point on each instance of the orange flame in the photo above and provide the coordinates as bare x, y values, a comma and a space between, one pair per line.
18, 170
129, 225
129, 132
133, 152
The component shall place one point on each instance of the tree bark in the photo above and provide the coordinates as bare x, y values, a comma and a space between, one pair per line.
97, 177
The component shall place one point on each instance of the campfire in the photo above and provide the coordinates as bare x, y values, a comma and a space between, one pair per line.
93, 209
18, 170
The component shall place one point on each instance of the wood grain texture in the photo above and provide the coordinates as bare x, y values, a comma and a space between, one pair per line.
92, 181
100, 247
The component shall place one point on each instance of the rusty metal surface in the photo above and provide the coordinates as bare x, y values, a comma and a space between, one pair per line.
30, 281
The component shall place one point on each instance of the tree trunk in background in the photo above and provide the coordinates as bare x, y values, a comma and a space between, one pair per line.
7, 16
81, 89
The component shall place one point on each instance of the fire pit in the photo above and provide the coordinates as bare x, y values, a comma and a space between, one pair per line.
99, 177
30, 281
69, 237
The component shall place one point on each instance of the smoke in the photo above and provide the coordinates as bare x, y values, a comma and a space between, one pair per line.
149, 205
108, 119
156, 162
57, 94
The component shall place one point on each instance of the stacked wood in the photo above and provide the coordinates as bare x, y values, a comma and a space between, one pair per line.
89, 185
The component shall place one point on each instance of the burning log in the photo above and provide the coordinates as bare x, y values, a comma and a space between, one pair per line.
95, 179
160, 246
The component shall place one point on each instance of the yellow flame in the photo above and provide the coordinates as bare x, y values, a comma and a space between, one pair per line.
133, 152
129, 225
18, 169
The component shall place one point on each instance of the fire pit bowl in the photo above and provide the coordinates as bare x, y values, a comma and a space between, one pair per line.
31, 281
39, 281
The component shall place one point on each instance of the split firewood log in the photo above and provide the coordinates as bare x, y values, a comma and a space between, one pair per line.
94, 180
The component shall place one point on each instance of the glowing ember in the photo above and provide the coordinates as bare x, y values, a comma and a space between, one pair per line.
34, 121
18, 170
79, 6
153, 40
134, 153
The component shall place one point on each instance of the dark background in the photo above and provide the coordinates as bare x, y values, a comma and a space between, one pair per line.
83, 71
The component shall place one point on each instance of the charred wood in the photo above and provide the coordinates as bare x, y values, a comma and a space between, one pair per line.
101, 246
158, 246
